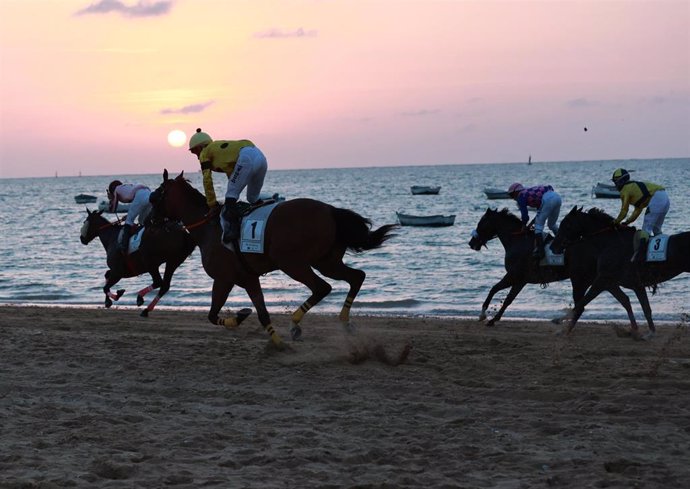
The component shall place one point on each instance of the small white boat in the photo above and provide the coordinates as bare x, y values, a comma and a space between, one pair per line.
605, 191
268, 196
104, 205
424, 190
85, 199
427, 221
496, 193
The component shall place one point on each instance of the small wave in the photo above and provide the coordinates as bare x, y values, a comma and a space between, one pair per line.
389, 304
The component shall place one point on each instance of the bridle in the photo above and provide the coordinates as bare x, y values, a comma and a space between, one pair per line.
160, 196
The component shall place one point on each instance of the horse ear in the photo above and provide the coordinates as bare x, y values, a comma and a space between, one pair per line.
165, 174
87, 210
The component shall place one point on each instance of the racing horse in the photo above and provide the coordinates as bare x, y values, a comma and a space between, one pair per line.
521, 268
611, 248
165, 243
300, 235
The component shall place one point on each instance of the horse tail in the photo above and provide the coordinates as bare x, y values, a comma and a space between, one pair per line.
354, 231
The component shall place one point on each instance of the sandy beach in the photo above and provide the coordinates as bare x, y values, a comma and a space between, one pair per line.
104, 398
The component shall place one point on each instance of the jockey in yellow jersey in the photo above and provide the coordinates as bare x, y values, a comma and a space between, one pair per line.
641, 195
245, 166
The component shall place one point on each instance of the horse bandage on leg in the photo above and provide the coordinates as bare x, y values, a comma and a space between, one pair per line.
145, 290
228, 323
299, 313
345, 311
275, 337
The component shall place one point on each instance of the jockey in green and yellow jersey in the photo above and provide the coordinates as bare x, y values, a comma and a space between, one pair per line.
244, 165
641, 195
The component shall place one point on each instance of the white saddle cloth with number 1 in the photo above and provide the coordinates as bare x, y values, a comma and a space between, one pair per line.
253, 228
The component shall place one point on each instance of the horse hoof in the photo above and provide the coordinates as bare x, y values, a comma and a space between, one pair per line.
242, 314
350, 328
296, 333
108, 303
490, 323
140, 300
482, 317
144, 313
119, 294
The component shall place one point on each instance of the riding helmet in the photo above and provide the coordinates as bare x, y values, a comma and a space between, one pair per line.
199, 138
620, 177
113, 185
515, 187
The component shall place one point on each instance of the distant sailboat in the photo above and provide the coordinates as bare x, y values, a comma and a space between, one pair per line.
529, 160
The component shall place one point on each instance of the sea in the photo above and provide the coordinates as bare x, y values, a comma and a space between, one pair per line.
422, 272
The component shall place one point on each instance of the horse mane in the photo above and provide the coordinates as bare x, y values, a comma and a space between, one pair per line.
599, 215
509, 215
198, 197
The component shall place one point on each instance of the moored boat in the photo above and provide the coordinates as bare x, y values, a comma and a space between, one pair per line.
85, 199
605, 191
437, 220
424, 190
496, 193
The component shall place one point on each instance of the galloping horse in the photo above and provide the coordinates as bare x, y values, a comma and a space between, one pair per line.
166, 243
521, 268
611, 247
300, 235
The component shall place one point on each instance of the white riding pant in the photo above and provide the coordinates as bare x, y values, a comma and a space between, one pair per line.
140, 207
548, 212
656, 212
250, 171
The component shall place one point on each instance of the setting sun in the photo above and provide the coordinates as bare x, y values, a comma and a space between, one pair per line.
177, 138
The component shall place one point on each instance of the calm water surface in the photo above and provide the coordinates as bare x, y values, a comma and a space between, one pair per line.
423, 271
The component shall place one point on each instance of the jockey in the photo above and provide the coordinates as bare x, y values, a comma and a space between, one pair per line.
137, 196
641, 195
245, 166
548, 203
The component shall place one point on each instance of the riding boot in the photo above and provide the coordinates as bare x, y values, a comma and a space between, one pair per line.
231, 218
123, 241
538, 252
640, 251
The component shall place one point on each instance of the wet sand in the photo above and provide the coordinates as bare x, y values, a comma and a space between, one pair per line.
104, 398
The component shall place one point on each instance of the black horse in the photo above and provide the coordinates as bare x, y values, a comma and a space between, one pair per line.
166, 243
595, 237
521, 268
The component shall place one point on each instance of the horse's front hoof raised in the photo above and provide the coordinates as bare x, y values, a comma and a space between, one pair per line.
140, 300
144, 313
120, 293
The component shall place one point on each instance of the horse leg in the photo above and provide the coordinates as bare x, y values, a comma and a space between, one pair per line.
579, 288
219, 296
337, 270
256, 295
504, 283
110, 280
304, 274
641, 294
514, 291
594, 290
157, 281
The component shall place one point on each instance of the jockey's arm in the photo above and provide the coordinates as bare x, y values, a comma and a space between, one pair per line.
636, 213
625, 205
208, 184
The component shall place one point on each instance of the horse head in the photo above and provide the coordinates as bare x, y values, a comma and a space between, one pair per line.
573, 227
93, 224
491, 224
175, 196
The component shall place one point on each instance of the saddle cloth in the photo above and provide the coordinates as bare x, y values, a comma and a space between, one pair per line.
551, 259
253, 227
657, 247
135, 240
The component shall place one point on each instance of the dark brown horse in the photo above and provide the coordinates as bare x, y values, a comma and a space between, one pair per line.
301, 235
165, 243
521, 268
611, 248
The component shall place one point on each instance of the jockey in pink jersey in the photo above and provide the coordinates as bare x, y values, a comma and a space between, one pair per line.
548, 205
137, 196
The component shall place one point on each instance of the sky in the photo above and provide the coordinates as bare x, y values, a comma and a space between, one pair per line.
95, 87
